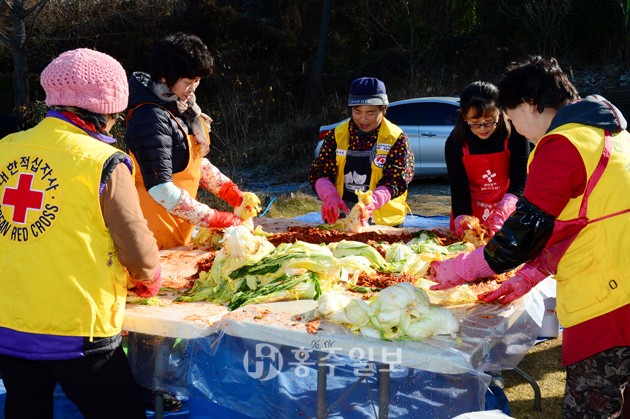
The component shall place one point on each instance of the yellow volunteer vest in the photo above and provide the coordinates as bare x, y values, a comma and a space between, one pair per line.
593, 275
59, 270
169, 230
393, 213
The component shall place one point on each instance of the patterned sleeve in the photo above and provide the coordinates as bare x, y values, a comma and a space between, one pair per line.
212, 179
325, 164
399, 167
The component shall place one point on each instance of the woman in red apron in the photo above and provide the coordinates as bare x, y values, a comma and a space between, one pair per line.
486, 160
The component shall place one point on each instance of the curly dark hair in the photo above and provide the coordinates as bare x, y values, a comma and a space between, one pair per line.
481, 98
180, 55
538, 81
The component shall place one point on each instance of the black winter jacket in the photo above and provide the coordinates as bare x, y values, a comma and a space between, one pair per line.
152, 135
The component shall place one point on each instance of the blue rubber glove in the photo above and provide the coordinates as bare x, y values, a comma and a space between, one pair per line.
520, 284
331, 200
466, 267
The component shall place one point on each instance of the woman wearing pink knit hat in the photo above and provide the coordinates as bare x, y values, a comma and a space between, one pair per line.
72, 240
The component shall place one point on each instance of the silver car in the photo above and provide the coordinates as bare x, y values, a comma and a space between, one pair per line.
427, 121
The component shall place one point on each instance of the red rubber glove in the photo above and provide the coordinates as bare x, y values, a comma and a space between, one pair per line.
520, 284
151, 287
199, 214
230, 193
221, 219
504, 208
461, 224
466, 267
380, 196
331, 200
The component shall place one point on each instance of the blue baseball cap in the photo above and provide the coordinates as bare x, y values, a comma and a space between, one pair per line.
367, 91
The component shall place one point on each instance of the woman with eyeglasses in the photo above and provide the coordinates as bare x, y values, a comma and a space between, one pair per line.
486, 160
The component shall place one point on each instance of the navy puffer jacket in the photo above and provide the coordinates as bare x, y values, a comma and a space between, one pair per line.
152, 135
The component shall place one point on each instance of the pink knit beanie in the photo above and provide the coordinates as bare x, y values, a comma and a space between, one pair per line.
86, 79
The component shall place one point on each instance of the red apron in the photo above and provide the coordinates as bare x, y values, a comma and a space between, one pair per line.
488, 178
565, 231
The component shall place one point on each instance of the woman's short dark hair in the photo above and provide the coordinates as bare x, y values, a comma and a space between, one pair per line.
180, 55
479, 97
538, 81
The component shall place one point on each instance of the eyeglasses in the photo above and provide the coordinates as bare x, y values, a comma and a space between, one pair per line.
483, 125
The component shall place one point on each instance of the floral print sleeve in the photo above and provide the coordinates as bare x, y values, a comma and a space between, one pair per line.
325, 165
398, 171
212, 179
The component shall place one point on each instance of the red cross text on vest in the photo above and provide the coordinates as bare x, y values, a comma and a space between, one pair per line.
23, 198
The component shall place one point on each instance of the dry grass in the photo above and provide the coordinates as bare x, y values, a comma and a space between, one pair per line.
299, 203
542, 363
429, 205
292, 205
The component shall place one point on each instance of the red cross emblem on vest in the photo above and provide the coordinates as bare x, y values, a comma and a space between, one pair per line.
23, 198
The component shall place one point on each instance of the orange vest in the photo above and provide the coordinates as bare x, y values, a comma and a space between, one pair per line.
169, 230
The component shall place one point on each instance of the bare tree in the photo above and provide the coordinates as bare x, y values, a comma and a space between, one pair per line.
322, 45
543, 18
625, 6
27, 26
413, 29
22, 14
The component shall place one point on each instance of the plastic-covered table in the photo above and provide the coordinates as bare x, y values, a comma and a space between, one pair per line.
275, 360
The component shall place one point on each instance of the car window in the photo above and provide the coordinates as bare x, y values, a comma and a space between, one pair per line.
423, 114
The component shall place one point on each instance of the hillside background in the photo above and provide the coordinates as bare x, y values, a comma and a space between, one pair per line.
283, 67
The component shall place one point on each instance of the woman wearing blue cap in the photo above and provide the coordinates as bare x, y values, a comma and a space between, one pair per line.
367, 152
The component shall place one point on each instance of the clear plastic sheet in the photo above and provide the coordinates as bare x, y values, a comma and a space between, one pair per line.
261, 360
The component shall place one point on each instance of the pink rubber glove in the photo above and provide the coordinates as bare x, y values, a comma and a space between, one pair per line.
520, 284
504, 208
331, 200
230, 193
466, 267
461, 224
151, 287
380, 196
